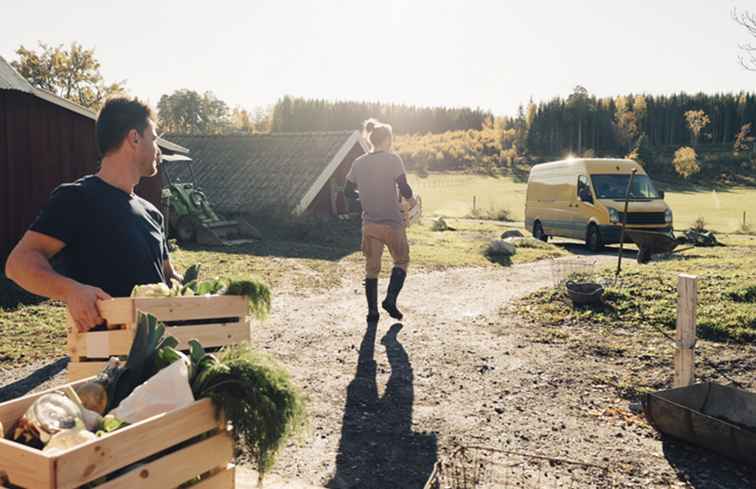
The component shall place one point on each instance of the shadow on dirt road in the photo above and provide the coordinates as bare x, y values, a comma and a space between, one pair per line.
378, 448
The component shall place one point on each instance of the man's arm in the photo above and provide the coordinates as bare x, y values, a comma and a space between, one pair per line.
29, 266
169, 271
404, 189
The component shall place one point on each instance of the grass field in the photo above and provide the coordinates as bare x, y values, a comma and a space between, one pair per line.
647, 294
452, 195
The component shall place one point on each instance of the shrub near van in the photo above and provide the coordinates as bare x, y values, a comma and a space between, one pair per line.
584, 199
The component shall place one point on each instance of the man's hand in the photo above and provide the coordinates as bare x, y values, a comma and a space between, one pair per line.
81, 301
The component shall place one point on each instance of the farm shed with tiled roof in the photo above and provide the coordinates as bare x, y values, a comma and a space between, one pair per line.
292, 173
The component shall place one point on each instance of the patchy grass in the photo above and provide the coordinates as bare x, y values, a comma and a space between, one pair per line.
647, 295
465, 246
32, 333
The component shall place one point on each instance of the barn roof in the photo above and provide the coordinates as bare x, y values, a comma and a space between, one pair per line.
264, 172
10, 79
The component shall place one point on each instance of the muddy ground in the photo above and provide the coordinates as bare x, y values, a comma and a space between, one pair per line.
388, 400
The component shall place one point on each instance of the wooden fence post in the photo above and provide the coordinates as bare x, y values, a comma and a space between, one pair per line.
687, 299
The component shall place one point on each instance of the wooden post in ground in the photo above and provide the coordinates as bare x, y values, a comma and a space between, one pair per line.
687, 299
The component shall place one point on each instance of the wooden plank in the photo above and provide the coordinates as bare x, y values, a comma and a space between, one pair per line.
117, 311
184, 308
685, 334
133, 443
83, 370
225, 479
73, 333
178, 467
211, 335
104, 344
121, 310
24, 466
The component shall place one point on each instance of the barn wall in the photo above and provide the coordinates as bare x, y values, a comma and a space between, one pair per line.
41, 146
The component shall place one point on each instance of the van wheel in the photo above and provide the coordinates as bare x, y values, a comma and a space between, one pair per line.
593, 239
538, 232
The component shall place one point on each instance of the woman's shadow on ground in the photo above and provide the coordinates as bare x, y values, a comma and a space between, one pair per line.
378, 448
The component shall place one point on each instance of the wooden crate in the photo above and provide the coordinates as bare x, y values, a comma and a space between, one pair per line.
214, 321
165, 451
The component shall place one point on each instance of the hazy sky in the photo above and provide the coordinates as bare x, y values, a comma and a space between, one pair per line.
492, 54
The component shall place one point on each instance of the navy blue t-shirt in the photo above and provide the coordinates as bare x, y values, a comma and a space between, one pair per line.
114, 240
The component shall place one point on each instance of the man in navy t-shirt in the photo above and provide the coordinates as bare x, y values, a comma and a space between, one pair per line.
109, 239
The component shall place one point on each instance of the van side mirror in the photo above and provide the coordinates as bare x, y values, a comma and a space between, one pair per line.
661, 194
585, 196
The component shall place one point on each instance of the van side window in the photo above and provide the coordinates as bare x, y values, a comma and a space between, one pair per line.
584, 189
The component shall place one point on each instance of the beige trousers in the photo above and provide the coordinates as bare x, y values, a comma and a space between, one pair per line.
374, 237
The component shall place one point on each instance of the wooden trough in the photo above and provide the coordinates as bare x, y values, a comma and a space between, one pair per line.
214, 321
164, 451
720, 418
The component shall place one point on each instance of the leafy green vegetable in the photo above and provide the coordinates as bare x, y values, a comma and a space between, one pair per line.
257, 293
141, 363
191, 274
257, 397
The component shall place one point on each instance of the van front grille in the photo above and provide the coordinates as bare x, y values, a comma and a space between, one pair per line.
644, 217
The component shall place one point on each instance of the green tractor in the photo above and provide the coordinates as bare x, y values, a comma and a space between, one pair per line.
191, 218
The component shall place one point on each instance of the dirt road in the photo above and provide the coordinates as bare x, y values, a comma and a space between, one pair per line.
387, 401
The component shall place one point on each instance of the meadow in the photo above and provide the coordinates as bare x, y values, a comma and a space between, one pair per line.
452, 195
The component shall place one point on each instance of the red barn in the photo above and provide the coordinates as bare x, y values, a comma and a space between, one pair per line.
45, 140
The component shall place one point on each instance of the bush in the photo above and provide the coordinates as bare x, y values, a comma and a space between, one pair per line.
686, 162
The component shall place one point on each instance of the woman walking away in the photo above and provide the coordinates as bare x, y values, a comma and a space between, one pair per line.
376, 176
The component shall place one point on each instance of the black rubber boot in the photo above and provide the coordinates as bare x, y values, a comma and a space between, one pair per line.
395, 286
371, 293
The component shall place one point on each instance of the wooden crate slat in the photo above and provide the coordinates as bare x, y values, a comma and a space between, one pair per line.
117, 311
104, 344
83, 370
210, 335
178, 467
24, 466
225, 479
95, 459
185, 308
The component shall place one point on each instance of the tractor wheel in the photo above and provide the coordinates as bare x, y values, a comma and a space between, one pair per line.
185, 231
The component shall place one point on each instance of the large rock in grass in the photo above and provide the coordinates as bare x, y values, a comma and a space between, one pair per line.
512, 233
499, 247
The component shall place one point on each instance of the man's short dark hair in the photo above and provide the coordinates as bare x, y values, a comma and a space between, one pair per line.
117, 117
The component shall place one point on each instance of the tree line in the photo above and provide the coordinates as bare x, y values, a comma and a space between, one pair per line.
295, 114
613, 125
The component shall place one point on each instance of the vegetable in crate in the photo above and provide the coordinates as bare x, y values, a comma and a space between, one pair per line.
255, 290
256, 395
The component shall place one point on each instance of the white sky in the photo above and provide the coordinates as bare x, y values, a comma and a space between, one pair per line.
489, 54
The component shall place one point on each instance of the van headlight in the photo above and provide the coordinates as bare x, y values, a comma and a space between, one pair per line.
668, 216
614, 216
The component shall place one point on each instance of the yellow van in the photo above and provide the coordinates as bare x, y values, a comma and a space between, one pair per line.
585, 199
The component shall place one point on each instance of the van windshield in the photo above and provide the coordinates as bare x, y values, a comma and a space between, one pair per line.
615, 186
